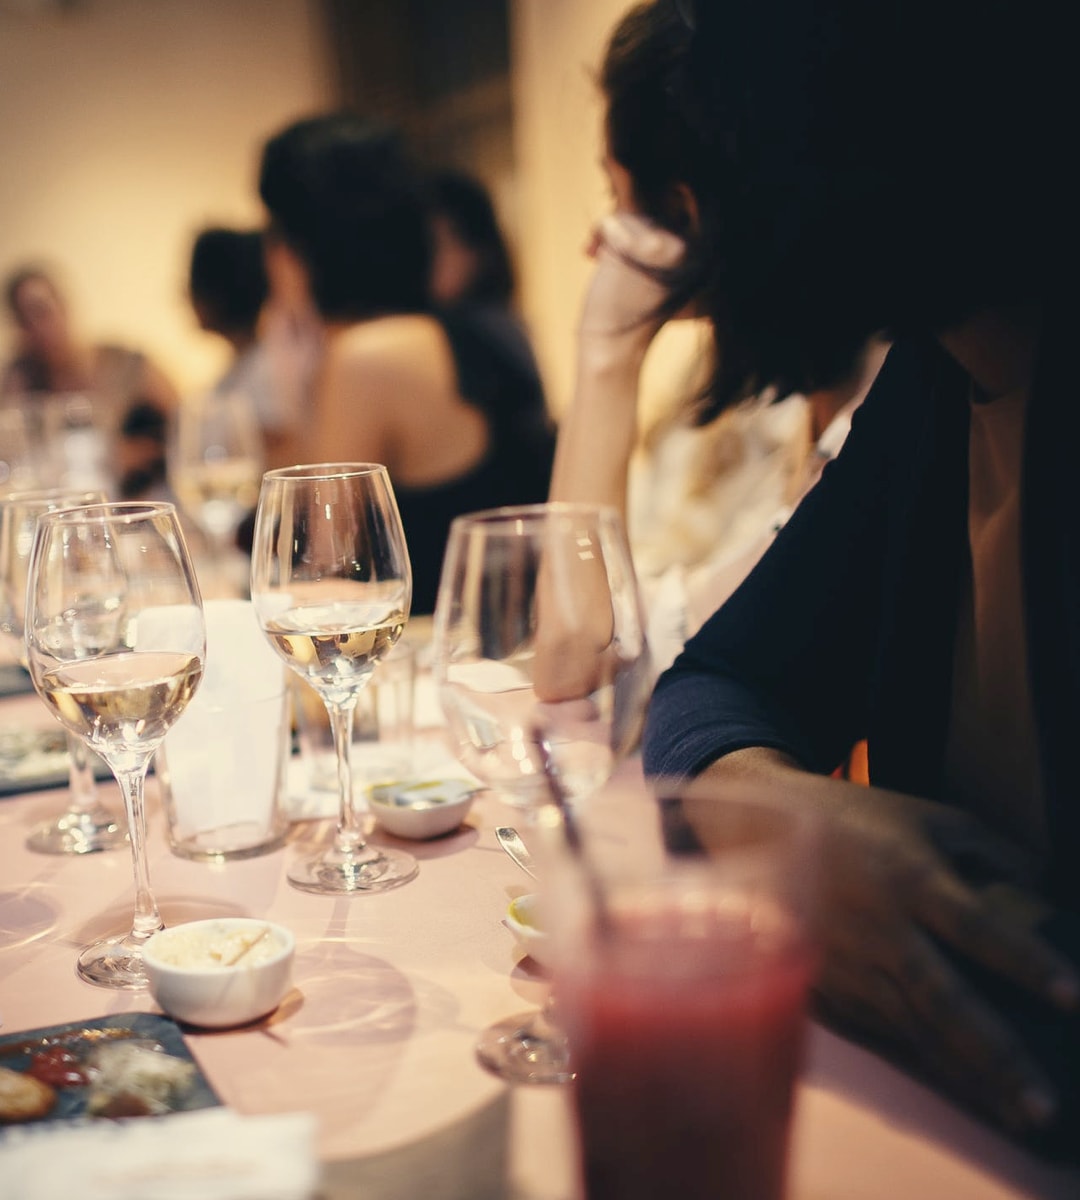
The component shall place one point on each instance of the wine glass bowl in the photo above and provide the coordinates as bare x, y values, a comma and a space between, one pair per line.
542, 669
539, 633
115, 643
215, 466
86, 825
331, 584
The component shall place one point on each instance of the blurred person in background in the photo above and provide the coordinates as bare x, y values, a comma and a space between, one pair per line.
472, 272
130, 398
229, 291
399, 384
293, 335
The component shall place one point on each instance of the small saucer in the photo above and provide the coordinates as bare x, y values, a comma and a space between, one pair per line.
422, 808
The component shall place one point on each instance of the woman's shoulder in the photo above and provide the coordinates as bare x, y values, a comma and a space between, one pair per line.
387, 337
392, 348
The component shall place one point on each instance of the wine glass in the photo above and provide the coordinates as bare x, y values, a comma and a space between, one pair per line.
115, 644
86, 825
215, 464
20, 445
331, 584
540, 659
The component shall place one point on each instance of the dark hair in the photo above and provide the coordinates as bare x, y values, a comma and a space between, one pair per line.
466, 204
647, 128
650, 135
889, 167
342, 193
227, 279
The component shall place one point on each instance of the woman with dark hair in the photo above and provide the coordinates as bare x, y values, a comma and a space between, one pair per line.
472, 277
399, 385
471, 261
229, 290
899, 168
227, 283
703, 494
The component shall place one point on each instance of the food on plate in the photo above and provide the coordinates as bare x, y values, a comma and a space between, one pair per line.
58, 1067
135, 1079
23, 1098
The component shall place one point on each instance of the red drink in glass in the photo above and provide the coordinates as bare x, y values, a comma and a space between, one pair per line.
687, 1041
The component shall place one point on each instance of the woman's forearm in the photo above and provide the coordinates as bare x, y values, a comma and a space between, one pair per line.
598, 432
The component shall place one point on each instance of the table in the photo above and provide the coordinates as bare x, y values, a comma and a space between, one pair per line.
390, 994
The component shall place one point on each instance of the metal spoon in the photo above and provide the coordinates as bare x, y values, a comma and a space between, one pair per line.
511, 842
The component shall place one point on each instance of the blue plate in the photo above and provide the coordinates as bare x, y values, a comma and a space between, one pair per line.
81, 1038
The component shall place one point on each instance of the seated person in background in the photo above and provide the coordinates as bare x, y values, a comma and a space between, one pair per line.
292, 334
471, 270
924, 594
702, 493
130, 396
228, 289
425, 395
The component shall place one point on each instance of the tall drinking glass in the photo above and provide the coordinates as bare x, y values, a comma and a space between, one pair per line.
540, 659
683, 983
331, 584
115, 644
86, 824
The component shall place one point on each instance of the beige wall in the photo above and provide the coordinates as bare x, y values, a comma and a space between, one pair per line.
127, 124
556, 50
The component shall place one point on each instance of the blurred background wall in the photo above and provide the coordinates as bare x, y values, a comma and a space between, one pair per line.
556, 50
125, 125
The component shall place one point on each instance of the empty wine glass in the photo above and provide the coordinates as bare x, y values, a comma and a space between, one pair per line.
215, 463
331, 584
87, 824
540, 659
115, 644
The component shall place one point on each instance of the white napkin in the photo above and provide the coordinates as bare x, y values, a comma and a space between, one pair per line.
211, 1154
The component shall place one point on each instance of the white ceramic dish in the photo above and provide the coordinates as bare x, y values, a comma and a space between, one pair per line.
523, 921
220, 972
422, 809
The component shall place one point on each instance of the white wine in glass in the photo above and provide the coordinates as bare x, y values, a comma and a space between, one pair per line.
332, 585
87, 824
215, 463
116, 642
540, 659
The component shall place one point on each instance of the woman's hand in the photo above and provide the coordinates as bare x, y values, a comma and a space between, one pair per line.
898, 914
627, 288
618, 323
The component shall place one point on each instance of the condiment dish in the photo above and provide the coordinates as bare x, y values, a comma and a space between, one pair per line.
220, 972
422, 809
523, 919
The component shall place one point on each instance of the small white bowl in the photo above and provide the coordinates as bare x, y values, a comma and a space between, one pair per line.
422, 808
220, 972
523, 921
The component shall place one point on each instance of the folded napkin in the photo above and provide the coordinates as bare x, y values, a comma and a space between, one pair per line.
211, 1154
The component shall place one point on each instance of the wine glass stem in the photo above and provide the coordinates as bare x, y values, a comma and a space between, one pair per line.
82, 785
132, 783
350, 833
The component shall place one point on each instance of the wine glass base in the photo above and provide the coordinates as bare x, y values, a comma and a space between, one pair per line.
114, 962
525, 1049
367, 871
79, 833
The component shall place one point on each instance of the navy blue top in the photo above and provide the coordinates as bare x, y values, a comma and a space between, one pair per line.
845, 628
